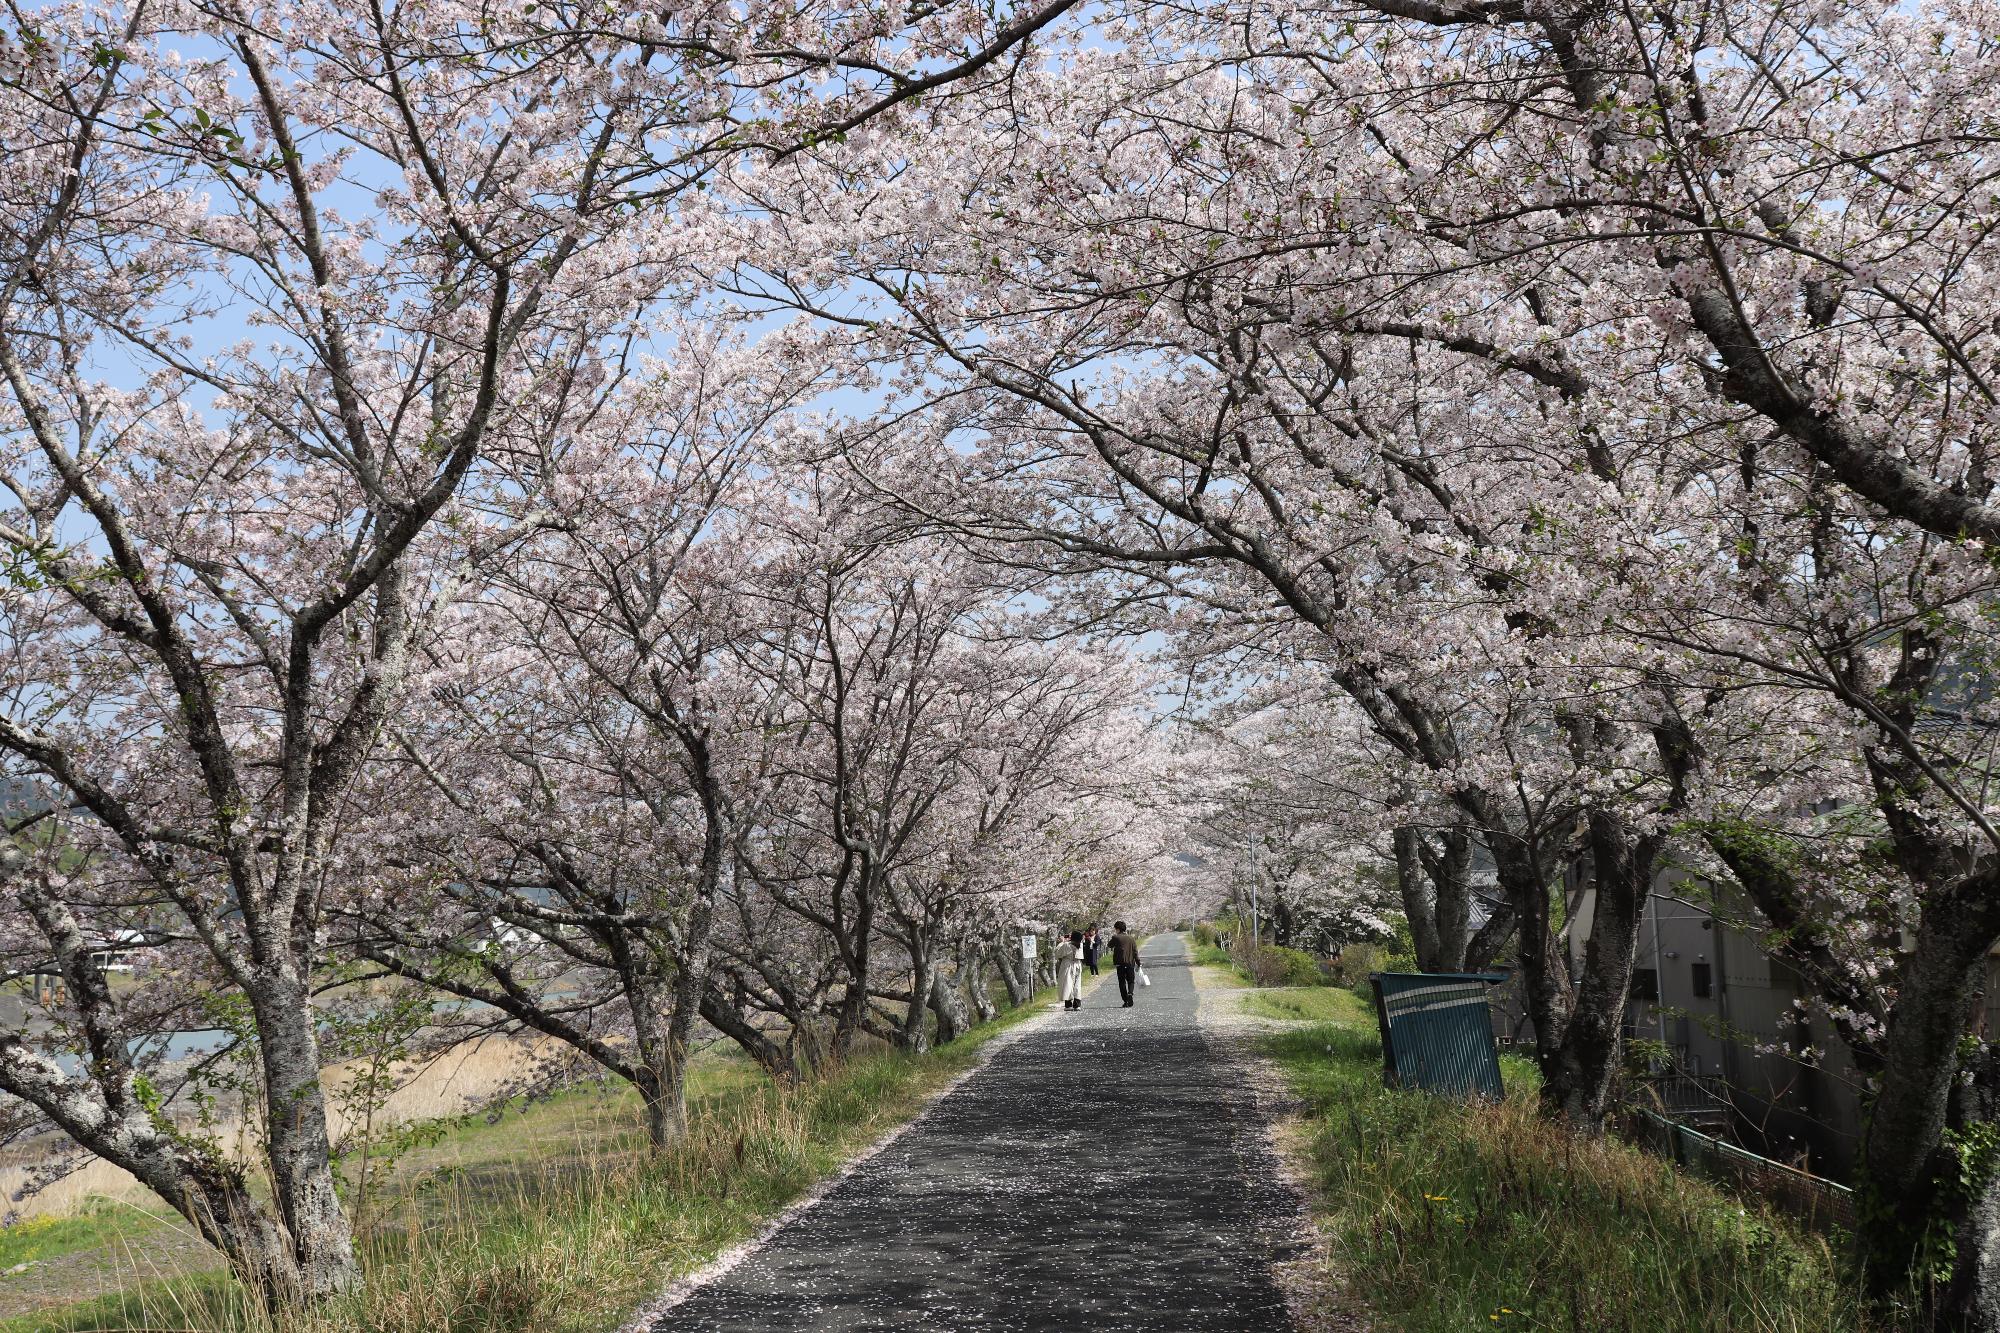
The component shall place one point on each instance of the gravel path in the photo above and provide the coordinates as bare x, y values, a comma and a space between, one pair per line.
1104, 1169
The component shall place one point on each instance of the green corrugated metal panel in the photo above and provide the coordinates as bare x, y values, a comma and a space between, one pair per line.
1437, 1032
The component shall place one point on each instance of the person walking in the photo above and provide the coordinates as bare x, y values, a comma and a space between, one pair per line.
1069, 968
1125, 957
1093, 947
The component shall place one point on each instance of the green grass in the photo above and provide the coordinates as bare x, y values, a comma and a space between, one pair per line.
1265, 966
1313, 1004
1444, 1215
1215, 968
555, 1219
520, 1143
1208, 955
103, 1223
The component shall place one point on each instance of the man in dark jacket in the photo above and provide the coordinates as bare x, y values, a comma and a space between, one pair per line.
1125, 957
1093, 948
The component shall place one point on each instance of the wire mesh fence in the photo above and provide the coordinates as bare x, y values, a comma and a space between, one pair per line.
1820, 1203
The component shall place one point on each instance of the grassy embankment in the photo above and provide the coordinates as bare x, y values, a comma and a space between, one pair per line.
1443, 1215
554, 1218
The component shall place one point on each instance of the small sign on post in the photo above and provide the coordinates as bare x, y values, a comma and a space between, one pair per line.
1028, 947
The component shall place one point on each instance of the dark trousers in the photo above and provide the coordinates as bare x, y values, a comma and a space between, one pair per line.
1128, 974
1092, 962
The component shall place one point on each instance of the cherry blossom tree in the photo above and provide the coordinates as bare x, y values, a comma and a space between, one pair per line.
1053, 767
1558, 428
930, 746
224, 646
598, 735
1304, 799
1862, 834
1232, 485
1456, 326
225, 551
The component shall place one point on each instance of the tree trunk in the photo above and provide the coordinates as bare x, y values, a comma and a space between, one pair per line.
1545, 989
1451, 877
1491, 939
1903, 1152
1972, 1301
1436, 888
216, 1200
976, 987
209, 1192
664, 1099
1579, 1040
851, 1016
660, 1071
299, 1151
1907, 1177
947, 1002
914, 1035
1016, 974
1284, 921
780, 1061
1419, 902
666, 1117
1577, 1080
101, 1110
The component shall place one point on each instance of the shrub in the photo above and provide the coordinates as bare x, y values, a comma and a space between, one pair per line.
1269, 965
1355, 963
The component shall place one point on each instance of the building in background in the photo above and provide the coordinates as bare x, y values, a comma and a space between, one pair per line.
1734, 1045
1735, 1024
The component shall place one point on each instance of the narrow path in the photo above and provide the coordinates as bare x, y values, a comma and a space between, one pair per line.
1103, 1170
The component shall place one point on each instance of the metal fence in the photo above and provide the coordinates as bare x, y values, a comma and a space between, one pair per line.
1815, 1200
1685, 1098
1437, 1033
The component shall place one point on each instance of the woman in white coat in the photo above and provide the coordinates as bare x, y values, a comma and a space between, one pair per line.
1069, 968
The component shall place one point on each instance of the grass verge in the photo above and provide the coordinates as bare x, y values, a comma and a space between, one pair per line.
571, 1225
1315, 1004
1444, 1215
1215, 969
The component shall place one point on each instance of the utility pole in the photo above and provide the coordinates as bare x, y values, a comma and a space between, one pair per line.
1256, 926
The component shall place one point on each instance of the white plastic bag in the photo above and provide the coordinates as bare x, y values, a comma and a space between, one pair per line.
1144, 980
